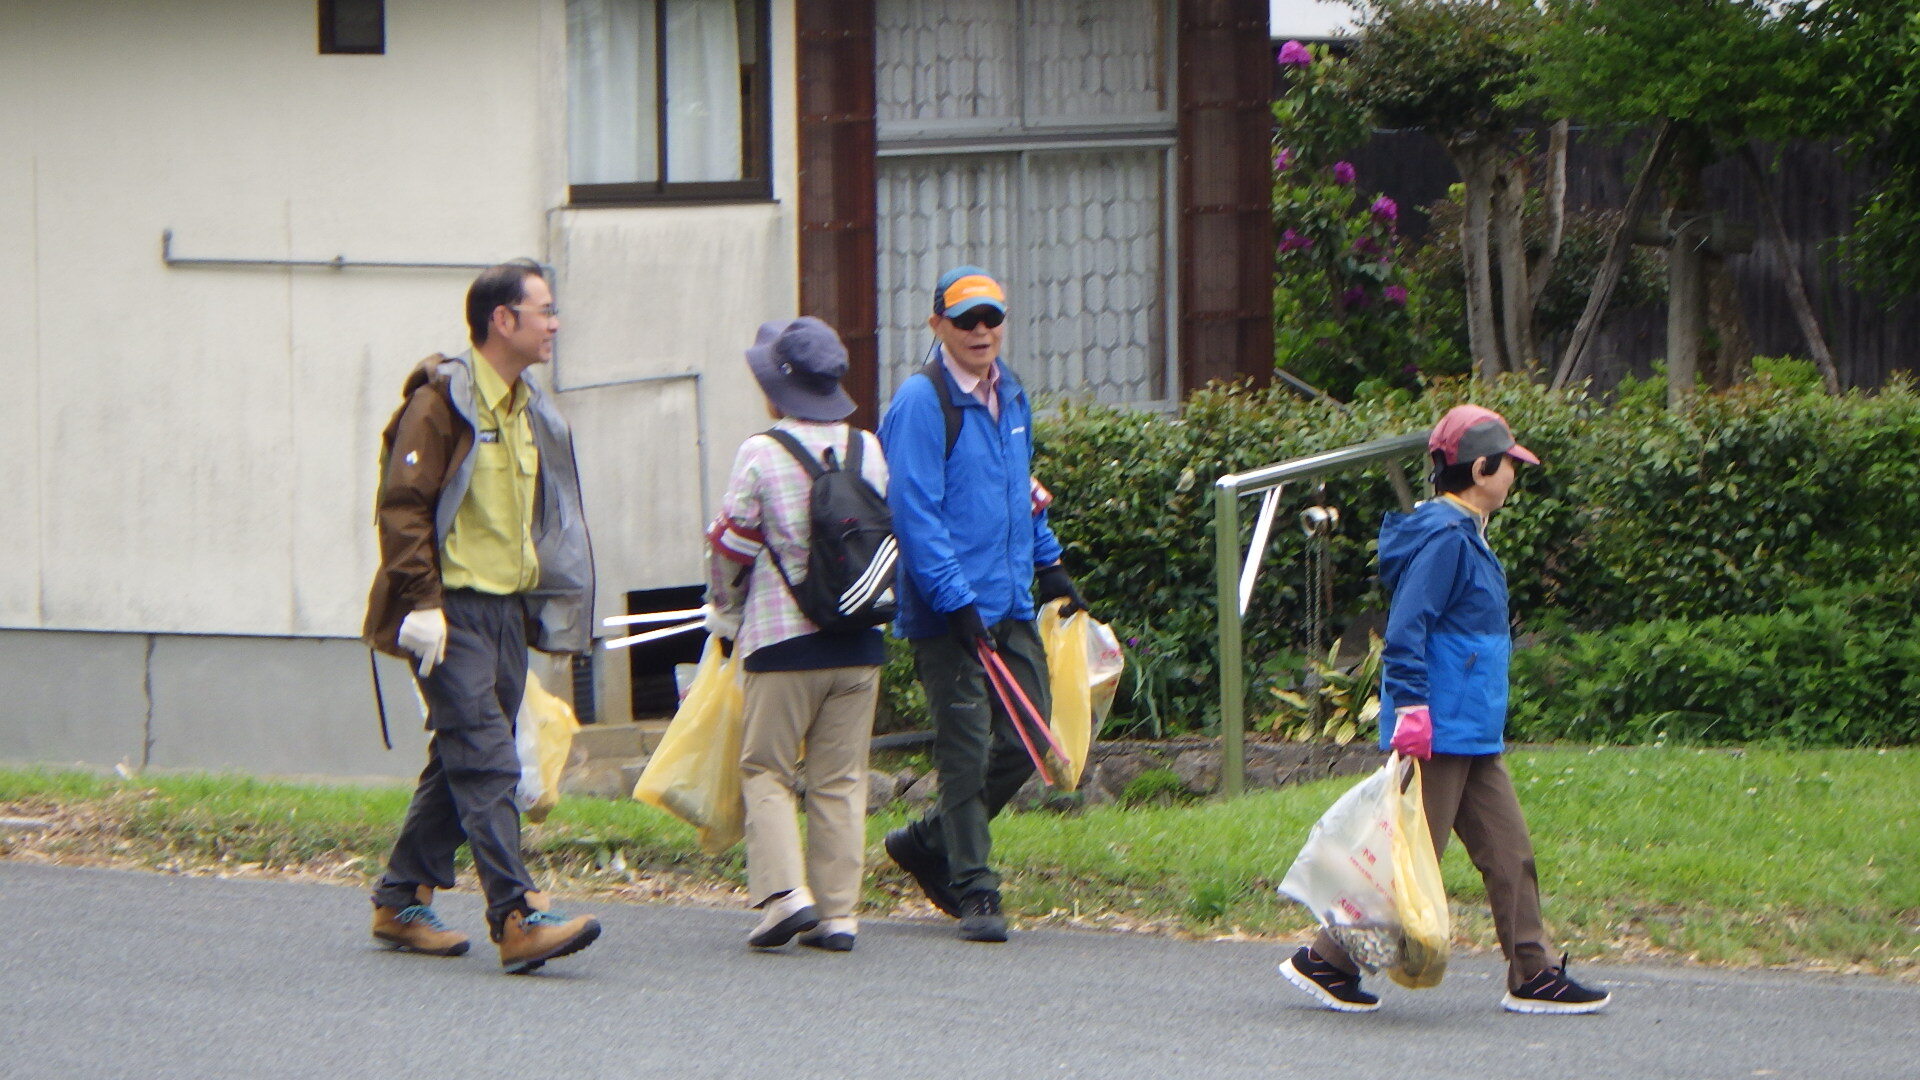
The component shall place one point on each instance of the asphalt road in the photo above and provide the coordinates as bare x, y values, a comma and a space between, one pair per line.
112, 974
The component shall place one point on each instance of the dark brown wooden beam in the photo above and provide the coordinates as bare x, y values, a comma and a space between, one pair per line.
1224, 190
835, 67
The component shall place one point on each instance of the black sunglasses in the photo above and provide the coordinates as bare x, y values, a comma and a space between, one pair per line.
989, 317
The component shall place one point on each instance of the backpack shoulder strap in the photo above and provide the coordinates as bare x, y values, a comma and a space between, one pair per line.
856, 449
949, 409
815, 470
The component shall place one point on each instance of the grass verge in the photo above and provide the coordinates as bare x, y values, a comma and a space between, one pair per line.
1756, 858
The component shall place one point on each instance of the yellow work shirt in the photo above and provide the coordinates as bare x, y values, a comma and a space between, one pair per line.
491, 546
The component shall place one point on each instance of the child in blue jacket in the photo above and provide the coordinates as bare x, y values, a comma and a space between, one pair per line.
1443, 700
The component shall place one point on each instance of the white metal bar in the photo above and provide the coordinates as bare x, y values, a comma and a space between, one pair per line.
1257, 550
653, 635
652, 617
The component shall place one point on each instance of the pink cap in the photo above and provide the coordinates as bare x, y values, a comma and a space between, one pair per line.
1469, 432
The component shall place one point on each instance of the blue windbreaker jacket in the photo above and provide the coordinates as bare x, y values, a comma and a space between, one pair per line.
965, 521
1448, 640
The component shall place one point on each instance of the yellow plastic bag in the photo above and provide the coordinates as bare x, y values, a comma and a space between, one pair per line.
542, 739
1420, 897
1084, 662
694, 774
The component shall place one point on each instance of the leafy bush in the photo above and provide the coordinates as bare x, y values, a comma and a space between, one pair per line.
1345, 312
903, 701
1832, 668
1638, 514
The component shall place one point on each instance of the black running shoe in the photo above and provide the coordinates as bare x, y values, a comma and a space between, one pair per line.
1551, 992
1328, 985
980, 918
928, 868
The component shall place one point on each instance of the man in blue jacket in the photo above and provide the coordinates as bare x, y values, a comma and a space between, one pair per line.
1443, 700
972, 527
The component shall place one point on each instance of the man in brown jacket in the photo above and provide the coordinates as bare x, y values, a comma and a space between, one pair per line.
483, 552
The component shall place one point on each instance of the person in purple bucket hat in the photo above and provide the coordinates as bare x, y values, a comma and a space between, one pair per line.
810, 690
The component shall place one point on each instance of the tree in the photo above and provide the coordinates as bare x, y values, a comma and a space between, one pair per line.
1453, 68
1867, 75
1710, 75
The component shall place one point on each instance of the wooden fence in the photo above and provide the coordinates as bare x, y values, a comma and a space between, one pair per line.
1816, 190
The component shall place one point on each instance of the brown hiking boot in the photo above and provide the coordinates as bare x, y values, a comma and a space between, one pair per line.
529, 939
417, 928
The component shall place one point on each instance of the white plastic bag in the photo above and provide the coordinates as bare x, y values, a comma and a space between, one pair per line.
1369, 874
1105, 663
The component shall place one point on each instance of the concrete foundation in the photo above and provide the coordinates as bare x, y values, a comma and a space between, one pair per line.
260, 705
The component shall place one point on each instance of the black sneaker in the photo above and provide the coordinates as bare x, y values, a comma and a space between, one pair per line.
1552, 992
928, 868
980, 918
1328, 985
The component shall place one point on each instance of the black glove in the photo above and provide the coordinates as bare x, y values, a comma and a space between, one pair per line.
1055, 584
967, 629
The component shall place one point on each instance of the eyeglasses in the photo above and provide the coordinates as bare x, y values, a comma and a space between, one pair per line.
546, 312
989, 317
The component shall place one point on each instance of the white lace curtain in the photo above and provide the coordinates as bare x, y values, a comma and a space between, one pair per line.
613, 113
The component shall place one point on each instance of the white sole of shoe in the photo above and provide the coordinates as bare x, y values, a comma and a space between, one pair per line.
1319, 993
1533, 1007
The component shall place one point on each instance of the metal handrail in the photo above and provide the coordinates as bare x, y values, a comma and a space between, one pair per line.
1230, 591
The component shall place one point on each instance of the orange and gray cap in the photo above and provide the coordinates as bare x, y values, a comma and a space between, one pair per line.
964, 288
1469, 432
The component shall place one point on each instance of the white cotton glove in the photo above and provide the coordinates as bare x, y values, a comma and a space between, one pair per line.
424, 634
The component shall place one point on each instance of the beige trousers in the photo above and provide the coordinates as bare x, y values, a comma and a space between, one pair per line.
825, 717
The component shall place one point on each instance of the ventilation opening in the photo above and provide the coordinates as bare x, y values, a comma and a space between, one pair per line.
654, 692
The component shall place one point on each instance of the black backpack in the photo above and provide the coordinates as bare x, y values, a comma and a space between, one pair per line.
851, 553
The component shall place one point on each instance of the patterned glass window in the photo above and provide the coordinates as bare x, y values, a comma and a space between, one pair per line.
1032, 138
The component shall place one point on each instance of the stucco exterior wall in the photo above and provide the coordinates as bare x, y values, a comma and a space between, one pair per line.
192, 450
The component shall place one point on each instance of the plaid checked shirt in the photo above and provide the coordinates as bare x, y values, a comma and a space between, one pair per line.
766, 503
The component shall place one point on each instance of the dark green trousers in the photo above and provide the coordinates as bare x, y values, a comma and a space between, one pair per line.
978, 754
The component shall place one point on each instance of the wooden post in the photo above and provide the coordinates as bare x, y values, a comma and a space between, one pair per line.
1616, 261
1796, 285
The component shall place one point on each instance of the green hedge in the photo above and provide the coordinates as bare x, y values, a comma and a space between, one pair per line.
1638, 515
1829, 670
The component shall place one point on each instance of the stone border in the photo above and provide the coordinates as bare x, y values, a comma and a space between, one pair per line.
1114, 765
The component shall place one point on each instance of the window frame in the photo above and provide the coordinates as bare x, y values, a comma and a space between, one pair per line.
756, 142
331, 47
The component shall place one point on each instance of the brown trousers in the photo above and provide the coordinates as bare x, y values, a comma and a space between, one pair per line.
1473, 796
826, 717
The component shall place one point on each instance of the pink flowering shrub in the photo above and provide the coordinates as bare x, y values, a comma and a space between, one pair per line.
1343, 302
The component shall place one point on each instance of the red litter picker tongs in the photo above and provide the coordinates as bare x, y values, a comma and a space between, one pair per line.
1021, 710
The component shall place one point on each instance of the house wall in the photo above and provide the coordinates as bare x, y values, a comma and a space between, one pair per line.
192, 451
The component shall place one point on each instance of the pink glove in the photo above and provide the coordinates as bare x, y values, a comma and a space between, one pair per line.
1413, 732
